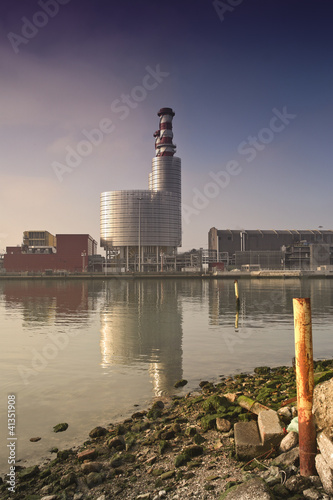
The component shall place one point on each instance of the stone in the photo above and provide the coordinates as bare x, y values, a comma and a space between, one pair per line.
158, 404
231, 397
28, 473
281, 491
247, 440
117, 442
94, 479
48, 488
67, 480
223, 425
208, 422
49, 497
193, 451
167, 475
87, 454
97, 432
180, 383
144, 496
270, 428
190, 431
35, 439
254, 489
157, 472
323, 405
297, 484
325, 446
213, 477
312, 494
63, 454
116, 462
91, 467
289, 442
289, 458
285, 414
60, 427
262, 370
325, 473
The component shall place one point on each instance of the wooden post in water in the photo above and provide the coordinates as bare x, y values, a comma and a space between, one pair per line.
236, 294
305, 385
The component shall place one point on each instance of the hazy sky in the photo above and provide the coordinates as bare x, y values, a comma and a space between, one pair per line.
251, 83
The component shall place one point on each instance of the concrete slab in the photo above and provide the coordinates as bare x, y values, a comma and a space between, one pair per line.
247, 440
325, 473
270, 429
326, 448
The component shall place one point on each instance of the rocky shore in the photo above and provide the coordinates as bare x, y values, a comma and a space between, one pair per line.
184, 447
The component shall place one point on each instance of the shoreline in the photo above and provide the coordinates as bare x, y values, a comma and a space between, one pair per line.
174, 447
228, 275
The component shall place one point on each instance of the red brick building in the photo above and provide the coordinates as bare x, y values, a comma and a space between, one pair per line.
71, 254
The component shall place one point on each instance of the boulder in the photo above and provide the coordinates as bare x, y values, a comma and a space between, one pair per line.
325, 446
289, 458
254, 489
325, 473
289, 442
223, 425
323, 405
97, 432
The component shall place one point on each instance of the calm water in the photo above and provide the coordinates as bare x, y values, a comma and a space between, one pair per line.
87, 352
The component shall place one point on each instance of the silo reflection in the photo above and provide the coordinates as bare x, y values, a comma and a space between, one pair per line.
141, 323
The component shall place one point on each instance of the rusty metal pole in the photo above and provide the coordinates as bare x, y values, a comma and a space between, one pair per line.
305, 385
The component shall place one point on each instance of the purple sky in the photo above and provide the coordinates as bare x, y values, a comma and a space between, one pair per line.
251, 87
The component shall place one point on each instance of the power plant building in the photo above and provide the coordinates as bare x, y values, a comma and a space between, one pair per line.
140, 227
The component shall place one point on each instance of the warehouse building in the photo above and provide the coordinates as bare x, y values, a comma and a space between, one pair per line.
272, 249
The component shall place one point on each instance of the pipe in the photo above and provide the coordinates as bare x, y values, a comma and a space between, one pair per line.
305, 385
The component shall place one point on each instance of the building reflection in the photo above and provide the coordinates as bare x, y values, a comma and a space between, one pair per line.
141, 322
51, 301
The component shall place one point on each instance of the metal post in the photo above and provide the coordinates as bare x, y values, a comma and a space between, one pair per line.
305, 385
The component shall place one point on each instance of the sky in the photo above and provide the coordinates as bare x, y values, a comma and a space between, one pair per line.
250, 81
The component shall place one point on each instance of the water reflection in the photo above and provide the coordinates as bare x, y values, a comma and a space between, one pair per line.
48, 302
141, 322
267, 300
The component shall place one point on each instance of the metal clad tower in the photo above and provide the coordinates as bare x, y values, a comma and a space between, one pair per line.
138, 225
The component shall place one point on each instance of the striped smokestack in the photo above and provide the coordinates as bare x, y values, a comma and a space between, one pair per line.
163, 137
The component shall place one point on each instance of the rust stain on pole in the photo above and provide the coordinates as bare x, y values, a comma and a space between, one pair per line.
305, 385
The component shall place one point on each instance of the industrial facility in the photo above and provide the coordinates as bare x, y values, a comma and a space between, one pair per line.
141, 229
43, 252
272, 249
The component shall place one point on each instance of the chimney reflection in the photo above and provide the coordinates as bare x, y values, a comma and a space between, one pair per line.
141, 322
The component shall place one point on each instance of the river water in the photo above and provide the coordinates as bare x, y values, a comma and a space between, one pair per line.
94, 351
